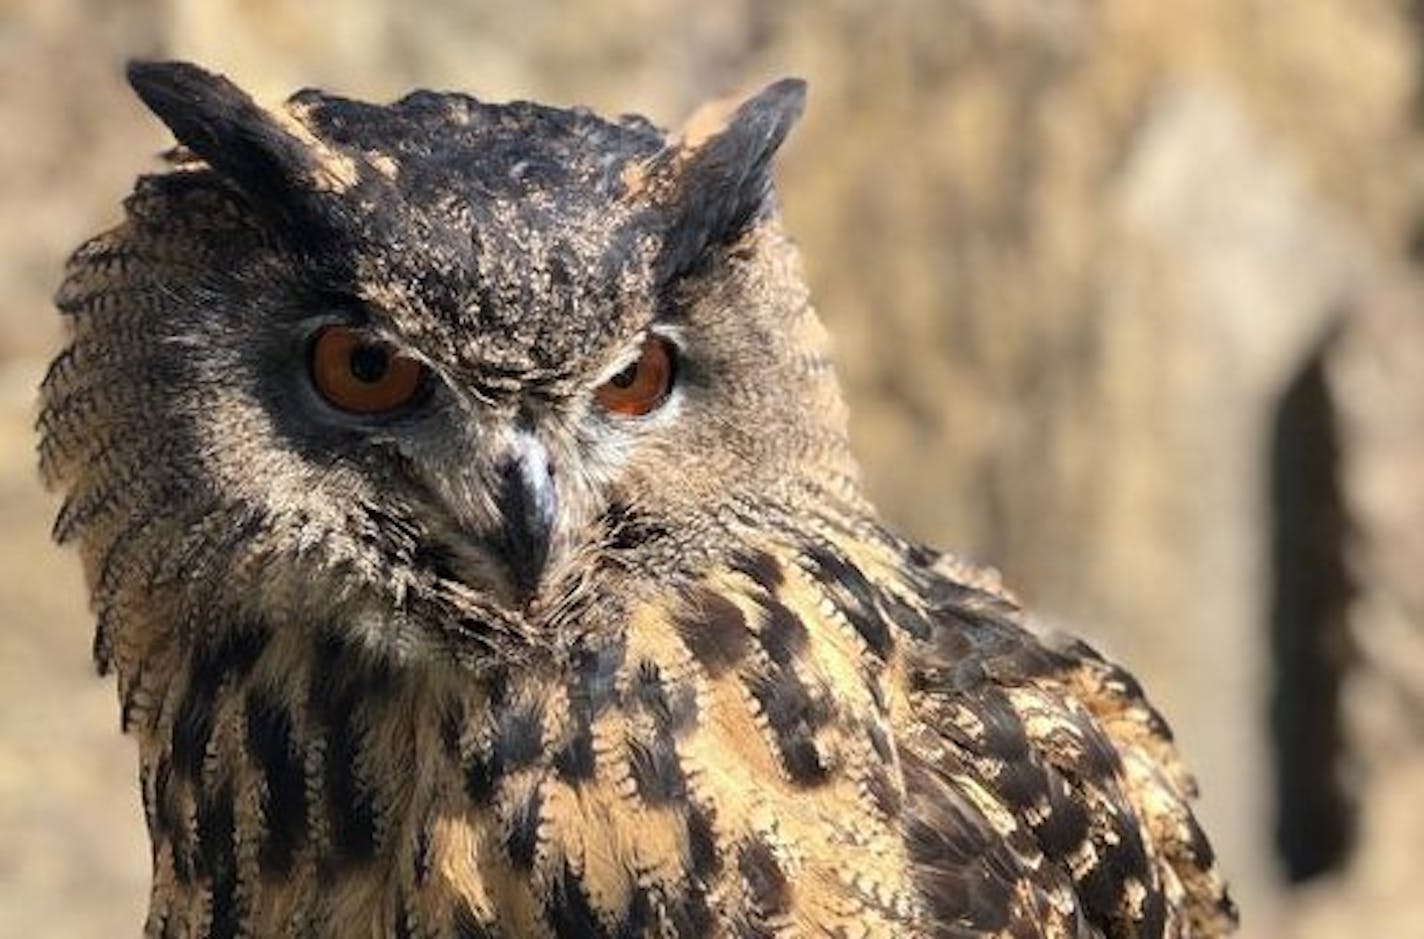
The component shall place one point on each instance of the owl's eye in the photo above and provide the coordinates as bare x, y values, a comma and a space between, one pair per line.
644, 385
356, 373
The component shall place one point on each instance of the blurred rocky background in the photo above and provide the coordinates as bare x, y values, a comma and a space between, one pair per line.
1128, 302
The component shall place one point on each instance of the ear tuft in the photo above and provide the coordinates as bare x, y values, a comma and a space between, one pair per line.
721, 170
758, 124
263, 153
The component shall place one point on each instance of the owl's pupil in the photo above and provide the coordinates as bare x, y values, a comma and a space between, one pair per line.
369, 363
625, 378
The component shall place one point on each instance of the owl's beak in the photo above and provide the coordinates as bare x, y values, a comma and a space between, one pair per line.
528, 504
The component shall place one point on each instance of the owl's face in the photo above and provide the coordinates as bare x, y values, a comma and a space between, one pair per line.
507, 350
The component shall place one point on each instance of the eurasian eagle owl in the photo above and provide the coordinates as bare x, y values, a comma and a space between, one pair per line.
465, 497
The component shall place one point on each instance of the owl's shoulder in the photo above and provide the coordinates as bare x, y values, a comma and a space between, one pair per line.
1042, 768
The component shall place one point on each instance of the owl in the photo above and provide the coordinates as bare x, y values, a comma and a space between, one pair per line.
465, 499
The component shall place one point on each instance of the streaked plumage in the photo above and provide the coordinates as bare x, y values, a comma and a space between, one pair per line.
723, 701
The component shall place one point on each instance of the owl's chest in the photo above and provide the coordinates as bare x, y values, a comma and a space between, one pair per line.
682, 781
725, 766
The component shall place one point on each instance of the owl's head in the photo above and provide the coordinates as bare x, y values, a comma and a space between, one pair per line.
440, 347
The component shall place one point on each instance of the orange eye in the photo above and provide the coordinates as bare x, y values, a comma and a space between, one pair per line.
362, 375
644, 385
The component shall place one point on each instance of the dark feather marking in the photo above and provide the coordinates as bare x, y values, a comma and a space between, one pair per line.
1020, 783
1126, 853
783, 635
714, 630
575, 761
228, 657
345, 684
876, 688
689, 914
884, 792
794, 715
907, 618
1098, 761
520, 738
568, 909
594, 690
1021, 776
482, 772
769, 889
401, 918
673, 706
421, 851
1152, 922
518, 743
880, 741
352, 814
1098, 892
452, 721
628, 529
482, 768
218, 860
702, 845
763, 569
596, 671
1120, 858
656, 770
436, 558
522, 833
269, 740
1201, 849
637, 915
1066, 824
857, 599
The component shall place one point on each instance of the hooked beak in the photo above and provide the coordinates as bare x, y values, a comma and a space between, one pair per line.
528, 505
